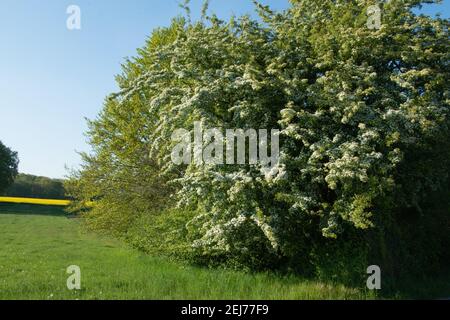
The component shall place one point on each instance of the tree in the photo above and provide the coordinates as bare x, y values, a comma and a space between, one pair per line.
9, 163
364, 120
30, 186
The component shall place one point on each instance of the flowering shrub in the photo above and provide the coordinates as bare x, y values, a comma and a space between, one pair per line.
364, 120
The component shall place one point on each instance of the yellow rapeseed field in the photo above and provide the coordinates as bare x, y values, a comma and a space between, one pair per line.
47, 202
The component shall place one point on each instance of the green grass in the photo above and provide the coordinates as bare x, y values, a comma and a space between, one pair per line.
38, 243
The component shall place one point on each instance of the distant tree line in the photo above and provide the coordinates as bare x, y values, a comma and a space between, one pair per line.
30, 186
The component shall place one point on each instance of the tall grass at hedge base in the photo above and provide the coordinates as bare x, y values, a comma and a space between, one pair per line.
163, 233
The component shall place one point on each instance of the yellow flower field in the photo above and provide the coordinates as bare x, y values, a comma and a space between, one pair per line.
47, 202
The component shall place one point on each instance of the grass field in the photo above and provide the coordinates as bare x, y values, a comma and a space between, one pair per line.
38, 243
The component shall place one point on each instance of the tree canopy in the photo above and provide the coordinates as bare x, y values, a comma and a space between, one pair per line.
9, 163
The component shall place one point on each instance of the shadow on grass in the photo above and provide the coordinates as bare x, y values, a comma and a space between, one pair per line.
32, 209
433, 288
426, 287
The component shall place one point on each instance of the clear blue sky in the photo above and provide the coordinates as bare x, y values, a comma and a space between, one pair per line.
51, 78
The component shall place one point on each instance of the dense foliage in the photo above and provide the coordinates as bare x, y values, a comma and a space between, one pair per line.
9, 163
365, 149
30, 186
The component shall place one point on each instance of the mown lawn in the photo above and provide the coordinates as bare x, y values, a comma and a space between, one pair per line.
38, 243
